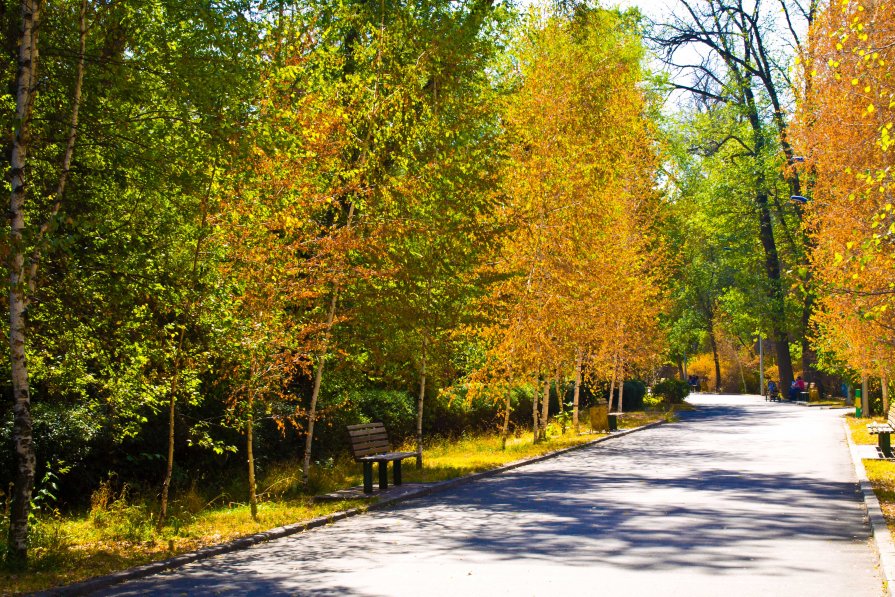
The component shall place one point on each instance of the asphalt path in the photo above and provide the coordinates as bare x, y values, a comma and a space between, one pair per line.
740, 497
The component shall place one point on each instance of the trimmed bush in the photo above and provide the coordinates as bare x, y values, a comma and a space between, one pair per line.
672, 391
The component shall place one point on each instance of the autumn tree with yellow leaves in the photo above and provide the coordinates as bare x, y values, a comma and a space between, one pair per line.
844, 131
580, 296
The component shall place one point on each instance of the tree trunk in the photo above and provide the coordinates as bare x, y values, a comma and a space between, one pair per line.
318, 373
612, 383
25, 462
534, 410
505, 430
865, 398
576, 395
545, 409
884, 387
169, 469
680, 370
621, 386
250, 454
809, 358
772, 259
419, 412
713, 343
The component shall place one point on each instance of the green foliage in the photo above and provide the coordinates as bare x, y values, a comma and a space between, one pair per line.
671, 390
153, 285
68, 434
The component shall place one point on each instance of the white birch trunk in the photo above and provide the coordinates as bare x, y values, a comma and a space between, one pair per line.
25, 464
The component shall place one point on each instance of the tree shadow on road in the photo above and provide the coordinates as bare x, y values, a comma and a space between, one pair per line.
635, 505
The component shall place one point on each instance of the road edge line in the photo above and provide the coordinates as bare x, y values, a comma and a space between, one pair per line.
885, 547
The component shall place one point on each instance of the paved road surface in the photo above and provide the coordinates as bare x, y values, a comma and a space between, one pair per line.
739, 498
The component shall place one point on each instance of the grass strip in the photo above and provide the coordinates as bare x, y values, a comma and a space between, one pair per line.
880, 473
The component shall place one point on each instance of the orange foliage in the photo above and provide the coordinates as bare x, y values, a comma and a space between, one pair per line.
844, 128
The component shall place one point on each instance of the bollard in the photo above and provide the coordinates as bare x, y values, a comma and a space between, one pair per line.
859, 412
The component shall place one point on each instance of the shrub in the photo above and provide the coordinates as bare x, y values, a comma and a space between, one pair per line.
672, 391
635, 390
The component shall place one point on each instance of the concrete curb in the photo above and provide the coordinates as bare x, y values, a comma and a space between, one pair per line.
103, 582
881, 535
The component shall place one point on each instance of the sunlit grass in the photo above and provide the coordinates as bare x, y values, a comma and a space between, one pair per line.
858, 428
120, 532
447, 459
74, 548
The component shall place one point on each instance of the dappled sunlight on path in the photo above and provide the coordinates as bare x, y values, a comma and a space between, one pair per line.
740, 497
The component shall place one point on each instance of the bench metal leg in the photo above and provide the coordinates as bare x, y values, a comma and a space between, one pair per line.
397, 471
885, 444
383, 475
368, 477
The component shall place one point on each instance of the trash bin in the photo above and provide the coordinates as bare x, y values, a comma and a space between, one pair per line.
598, 415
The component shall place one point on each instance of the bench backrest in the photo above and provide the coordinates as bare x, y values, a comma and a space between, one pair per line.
892, 416
368, 439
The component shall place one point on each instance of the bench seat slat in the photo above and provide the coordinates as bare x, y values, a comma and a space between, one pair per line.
387, 457
880, 428
379, 436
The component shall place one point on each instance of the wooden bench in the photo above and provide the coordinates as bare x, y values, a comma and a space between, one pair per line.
884, 431
369, 444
